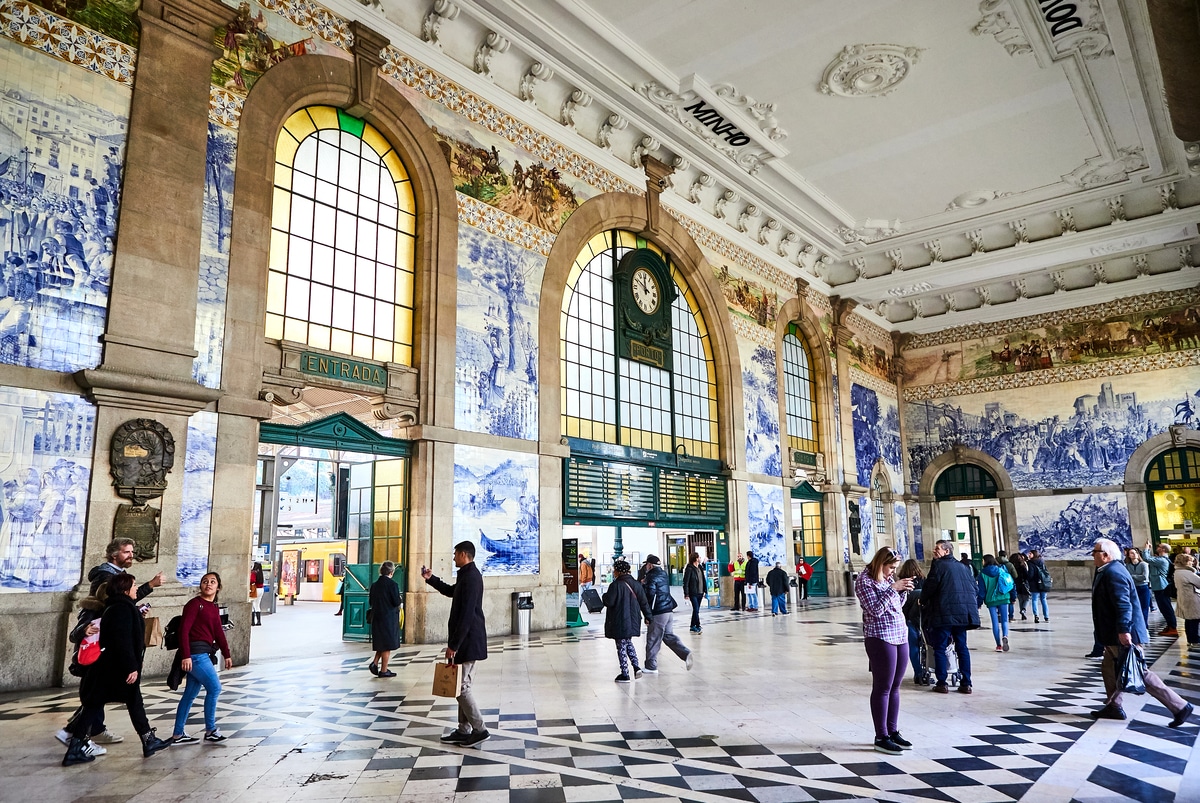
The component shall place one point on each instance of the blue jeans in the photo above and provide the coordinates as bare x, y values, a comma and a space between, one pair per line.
1164, 607
914, 651
203, 674
695, 600
1035, 596
752, 597
1143, 592
779, 603
942, 636
999, 622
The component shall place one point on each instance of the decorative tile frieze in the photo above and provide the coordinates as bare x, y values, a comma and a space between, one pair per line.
479, 215
861, 377
1053, 376
36, 28
224, 107
868, 329
710, 239
748, 330
315, 19
1151, 302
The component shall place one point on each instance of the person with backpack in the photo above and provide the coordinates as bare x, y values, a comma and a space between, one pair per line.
200, 635
1039, 583
995, 591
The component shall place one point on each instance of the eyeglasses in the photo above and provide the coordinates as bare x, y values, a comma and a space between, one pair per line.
1097, 551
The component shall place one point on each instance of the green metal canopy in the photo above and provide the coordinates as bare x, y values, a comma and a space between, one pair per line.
805, 492
340, 432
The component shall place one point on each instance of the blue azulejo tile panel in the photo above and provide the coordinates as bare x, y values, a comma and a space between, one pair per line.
62, 142
196, 521
214, 255
495, 388
900, 528
765, 511
1065, 527
45, 469
876, 433
760, 391
496, 508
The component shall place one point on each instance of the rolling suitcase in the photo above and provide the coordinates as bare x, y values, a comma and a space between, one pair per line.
591, 598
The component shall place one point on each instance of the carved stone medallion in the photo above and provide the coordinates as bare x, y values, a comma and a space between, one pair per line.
864, 71
143, 451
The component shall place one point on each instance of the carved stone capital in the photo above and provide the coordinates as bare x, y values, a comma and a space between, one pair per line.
195, 19
368, 50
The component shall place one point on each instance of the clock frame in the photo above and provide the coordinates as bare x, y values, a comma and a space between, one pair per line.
644, 328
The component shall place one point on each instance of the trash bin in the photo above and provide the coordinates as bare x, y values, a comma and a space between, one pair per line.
522, 612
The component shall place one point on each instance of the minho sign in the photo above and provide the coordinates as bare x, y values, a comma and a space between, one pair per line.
340, 368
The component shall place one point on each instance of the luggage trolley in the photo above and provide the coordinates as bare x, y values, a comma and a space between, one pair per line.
927, 677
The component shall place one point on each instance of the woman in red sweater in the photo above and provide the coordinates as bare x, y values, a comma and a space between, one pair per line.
200, 636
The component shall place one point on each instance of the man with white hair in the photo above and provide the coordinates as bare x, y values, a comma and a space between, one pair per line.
1117, 618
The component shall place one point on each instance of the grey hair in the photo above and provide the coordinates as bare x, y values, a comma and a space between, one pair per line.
1183, 560
1109, 547
945, 544
387, 568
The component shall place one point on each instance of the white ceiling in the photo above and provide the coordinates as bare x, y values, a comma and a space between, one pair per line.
1008, 172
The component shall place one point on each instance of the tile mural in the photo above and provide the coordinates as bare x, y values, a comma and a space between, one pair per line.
61, 38
496, 381
62, 141
1065, 527
765, 512
199, 466
917, 536
45, 471
900, 528
217, 216
876, 434
866, 537
116, 19
760, 396
1045, 441
496, 508
248, 50
748, 300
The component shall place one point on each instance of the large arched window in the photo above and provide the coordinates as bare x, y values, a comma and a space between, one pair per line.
799, 394
878, 489
612, 399
343, 228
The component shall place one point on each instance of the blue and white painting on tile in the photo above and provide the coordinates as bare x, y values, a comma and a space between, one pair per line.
1065, 527
495, 386
900, 528
496, 508
866, 513
213, 285
1042, 442
61, 149
876, 433
760, 390
918, 543
45, 471
765, 513
838, 473
195, 525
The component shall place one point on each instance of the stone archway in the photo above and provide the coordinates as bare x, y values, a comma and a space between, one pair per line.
1176, 437
931, 519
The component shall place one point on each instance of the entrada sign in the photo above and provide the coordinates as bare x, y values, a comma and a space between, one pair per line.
343, 369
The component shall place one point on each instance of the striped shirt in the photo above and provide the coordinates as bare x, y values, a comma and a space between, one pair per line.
883, 609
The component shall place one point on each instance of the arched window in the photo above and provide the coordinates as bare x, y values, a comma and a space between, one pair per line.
799, 394
343, 225
878, 488
613, 399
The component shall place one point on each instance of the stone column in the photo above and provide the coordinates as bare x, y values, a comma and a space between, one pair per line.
842, 307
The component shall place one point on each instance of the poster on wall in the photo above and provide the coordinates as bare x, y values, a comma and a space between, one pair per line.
496, 508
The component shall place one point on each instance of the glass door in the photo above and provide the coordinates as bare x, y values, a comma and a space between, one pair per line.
808, 537
376, 527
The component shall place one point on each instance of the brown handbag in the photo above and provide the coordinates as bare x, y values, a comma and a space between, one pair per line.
447, 680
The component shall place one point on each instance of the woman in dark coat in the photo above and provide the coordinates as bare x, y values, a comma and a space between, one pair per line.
384, 607
115, 677
626, 607
1037, 589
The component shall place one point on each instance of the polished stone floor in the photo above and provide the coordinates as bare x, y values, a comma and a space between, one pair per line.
774, 710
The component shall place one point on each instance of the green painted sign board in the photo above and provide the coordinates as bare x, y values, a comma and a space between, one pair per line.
341, 368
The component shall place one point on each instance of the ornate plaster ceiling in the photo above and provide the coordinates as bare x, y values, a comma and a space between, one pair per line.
938, 163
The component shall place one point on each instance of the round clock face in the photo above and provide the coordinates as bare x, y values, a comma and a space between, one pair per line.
645, 290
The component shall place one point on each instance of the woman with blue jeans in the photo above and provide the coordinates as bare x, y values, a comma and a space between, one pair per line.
1139, 570
995, 590
1037, 589
200, 635
910, 569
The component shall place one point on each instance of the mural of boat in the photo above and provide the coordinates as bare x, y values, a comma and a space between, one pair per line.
510, 546
484, 502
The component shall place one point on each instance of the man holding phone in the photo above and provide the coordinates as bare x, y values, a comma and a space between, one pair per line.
467, 639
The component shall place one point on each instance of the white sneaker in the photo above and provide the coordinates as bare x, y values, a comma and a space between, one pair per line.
108, 737
63, 736
688, 662
93, 749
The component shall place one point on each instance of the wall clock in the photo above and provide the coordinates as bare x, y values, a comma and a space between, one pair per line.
644, 294
645, 291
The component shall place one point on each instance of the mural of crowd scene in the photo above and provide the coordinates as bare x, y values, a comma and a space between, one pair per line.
248, 49
1041, 440
1072, 343
522, 186
196, 517
749, 300
760, 394
1065, 527
866, 537
60, 184
871, 357
496, 381
496, 508
765, 512
116, 19
876, 433
214, 255
900, 527
45, 471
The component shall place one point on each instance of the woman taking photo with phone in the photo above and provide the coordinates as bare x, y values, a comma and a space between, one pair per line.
885, 632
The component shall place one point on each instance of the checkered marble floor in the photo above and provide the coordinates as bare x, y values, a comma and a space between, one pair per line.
775, 710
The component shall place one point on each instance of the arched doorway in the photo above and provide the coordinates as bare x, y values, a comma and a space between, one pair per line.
1173, 496
968, 494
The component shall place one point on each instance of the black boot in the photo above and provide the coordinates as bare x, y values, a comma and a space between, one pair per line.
76, 752
151, 744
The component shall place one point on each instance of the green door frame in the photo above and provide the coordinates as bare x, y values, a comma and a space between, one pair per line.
818, 584
344, 433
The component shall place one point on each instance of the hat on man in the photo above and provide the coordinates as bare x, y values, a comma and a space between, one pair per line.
653, 559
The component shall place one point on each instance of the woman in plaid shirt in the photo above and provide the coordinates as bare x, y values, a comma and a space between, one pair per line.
882, 597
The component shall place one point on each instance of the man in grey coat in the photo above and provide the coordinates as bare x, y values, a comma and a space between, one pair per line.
659, 631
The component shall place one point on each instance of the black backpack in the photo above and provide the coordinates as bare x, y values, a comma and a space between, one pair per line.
171, 634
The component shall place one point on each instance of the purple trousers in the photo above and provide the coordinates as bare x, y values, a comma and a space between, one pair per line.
888, 663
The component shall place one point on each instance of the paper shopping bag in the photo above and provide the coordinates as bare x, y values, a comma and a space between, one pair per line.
447, 680
154, 634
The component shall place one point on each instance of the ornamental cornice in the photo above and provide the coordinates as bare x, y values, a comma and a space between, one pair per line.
860, 377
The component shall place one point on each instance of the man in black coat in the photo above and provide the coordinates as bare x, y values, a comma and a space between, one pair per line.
660, 630
467, 639
752, 579
950, 608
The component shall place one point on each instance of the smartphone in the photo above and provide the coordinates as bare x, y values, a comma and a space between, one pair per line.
423, 569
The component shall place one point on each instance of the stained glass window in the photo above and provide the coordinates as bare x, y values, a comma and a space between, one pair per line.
343, 239
799, 393
615, 400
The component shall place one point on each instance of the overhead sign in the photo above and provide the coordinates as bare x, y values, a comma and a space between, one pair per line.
341, 368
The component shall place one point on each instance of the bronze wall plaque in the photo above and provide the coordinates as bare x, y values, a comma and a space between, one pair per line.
143, 451
141, 523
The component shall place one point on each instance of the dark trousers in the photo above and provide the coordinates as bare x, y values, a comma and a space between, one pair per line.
1143, 592
1165, 608
695, 598
942, 636
801, 588
739, 594
888, 664
1191, 628
91, 714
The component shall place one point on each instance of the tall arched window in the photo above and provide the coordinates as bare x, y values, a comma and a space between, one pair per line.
613, 399
799, 394
878, 488
343, 226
